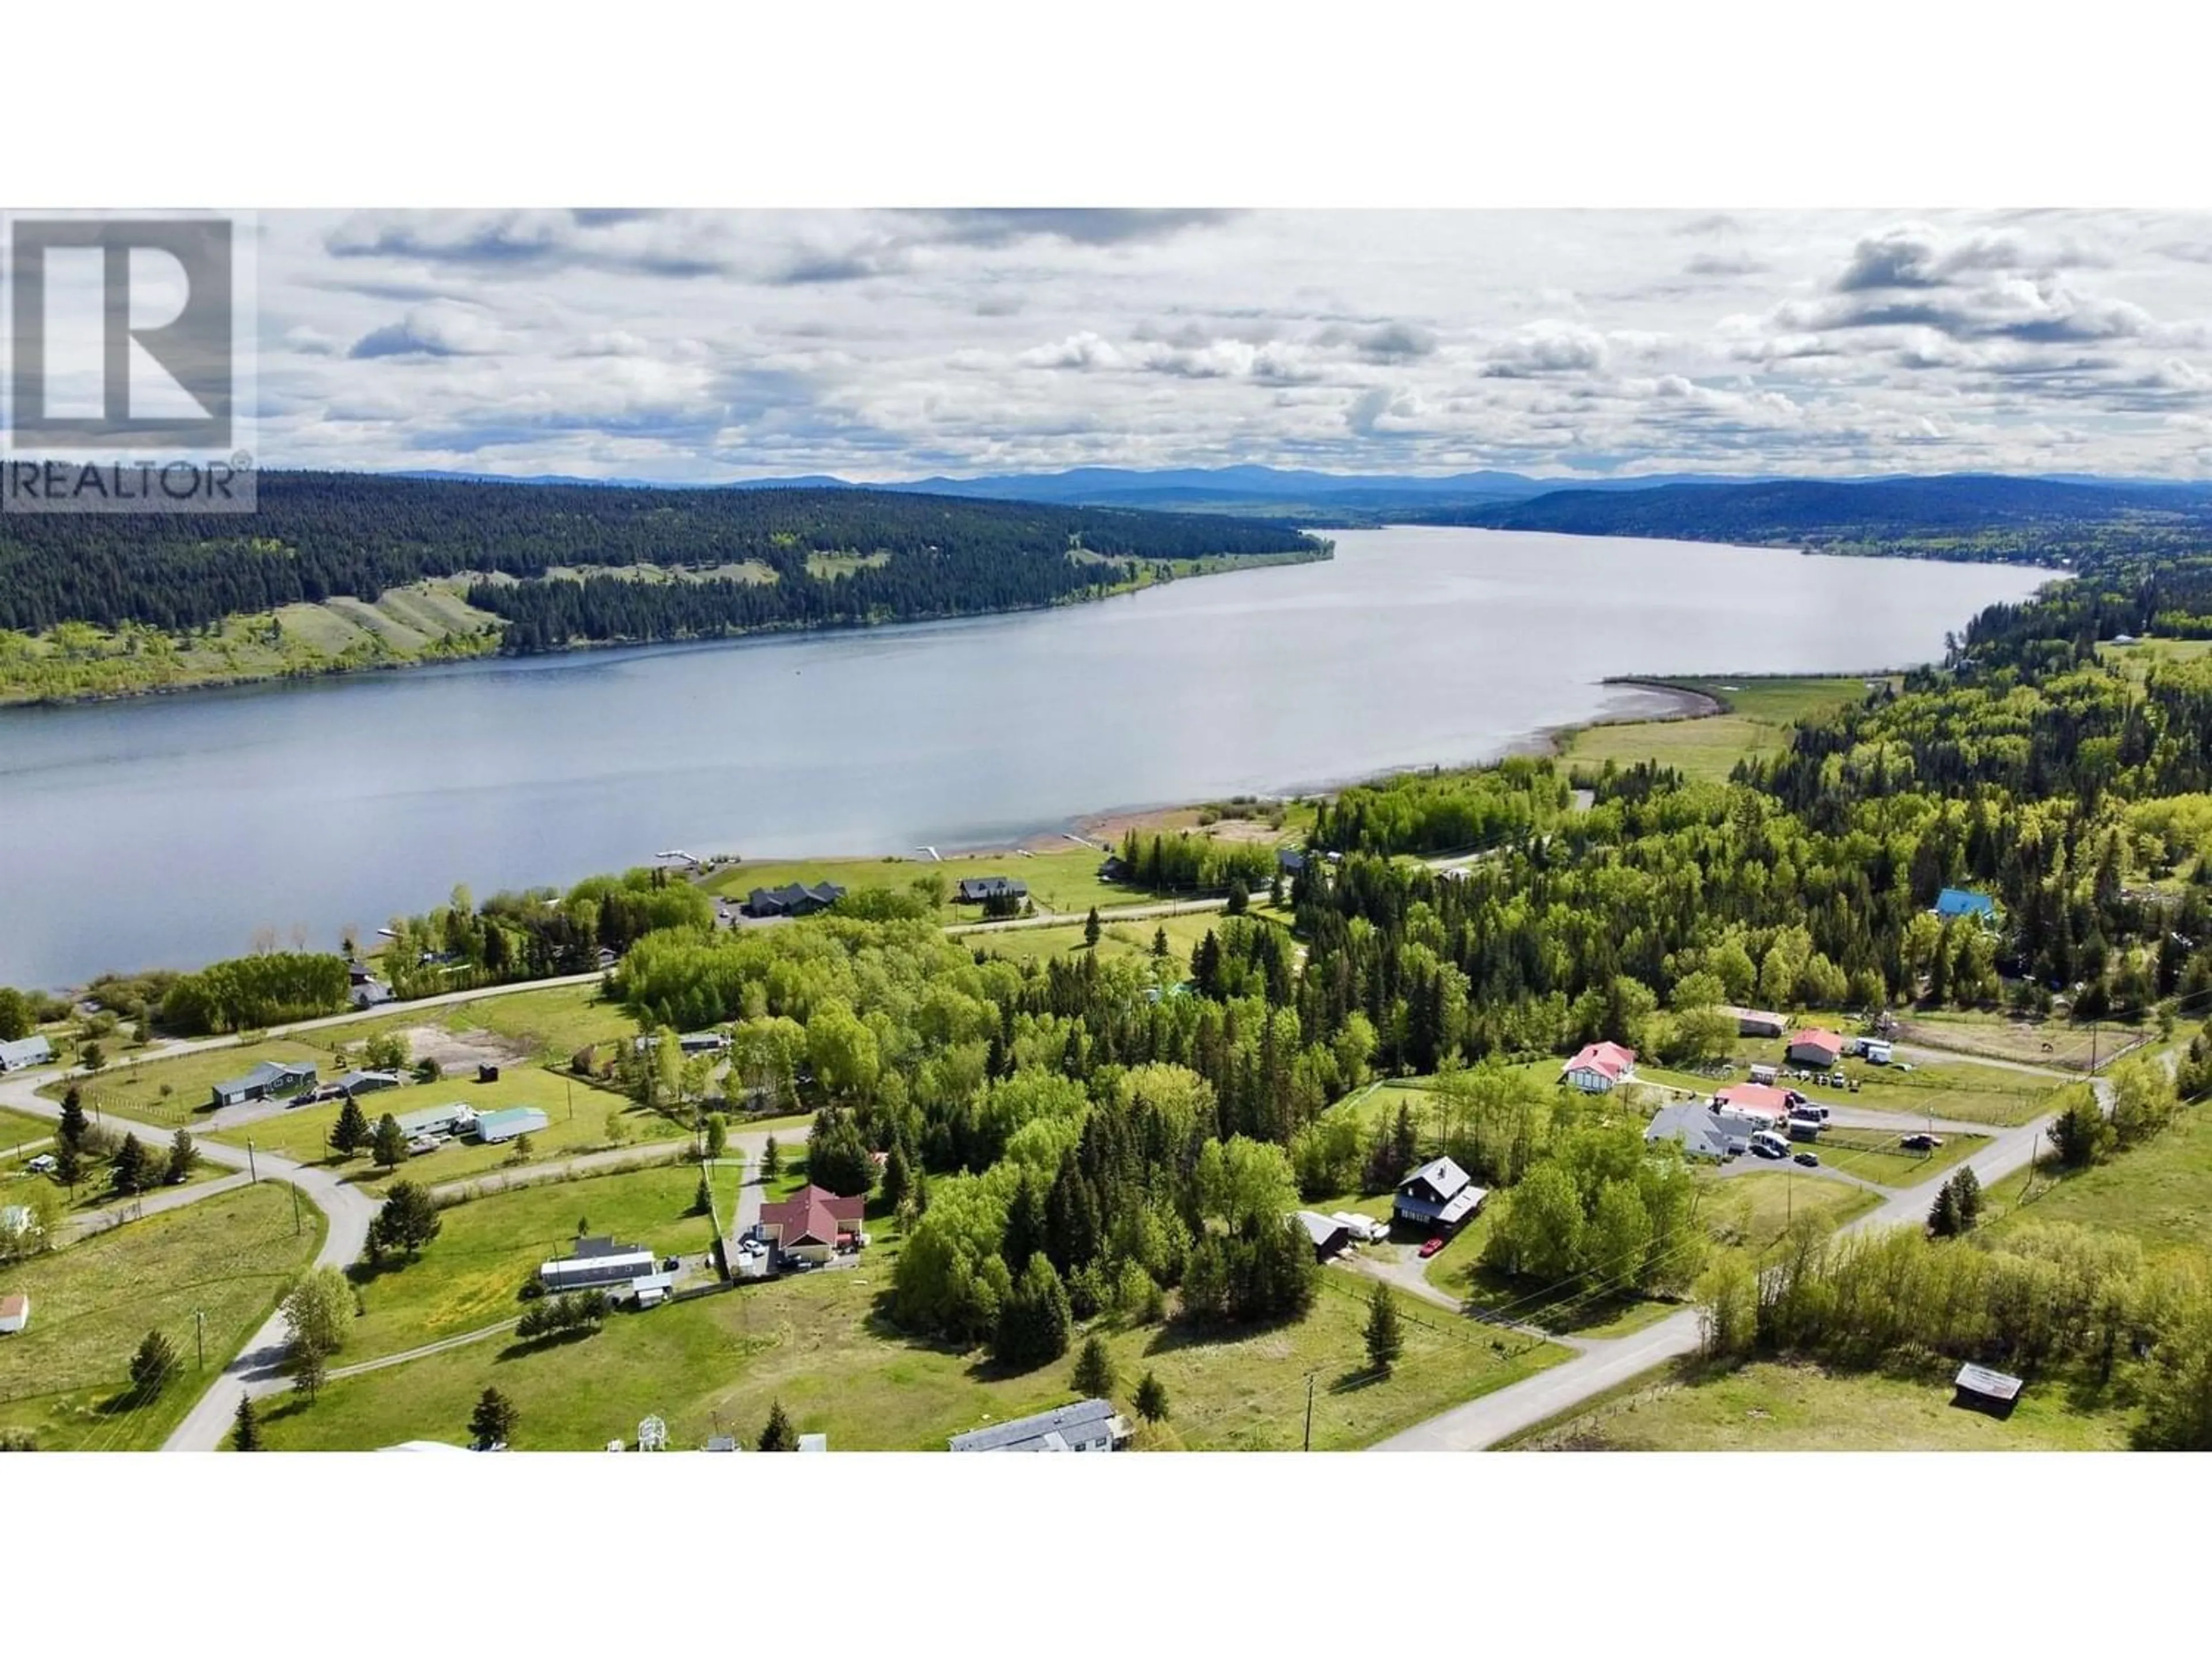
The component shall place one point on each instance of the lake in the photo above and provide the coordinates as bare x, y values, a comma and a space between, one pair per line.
171, 831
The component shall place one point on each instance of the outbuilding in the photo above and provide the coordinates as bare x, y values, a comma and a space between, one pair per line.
1757, 1022
1815, 1047
15, 1314
493, 1127
1330, 1236
1982, 1390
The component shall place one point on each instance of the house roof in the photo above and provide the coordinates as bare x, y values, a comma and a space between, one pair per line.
26, 1051
1979, 1379
1816, 1036
1964, 901
1760, 1014
357, 1080
988, 886
1441, 1176
1324, 1229
1032, 1433
1606, 1059
812, 1215
433, 1117
14, 1307
1701, 1133
1761, 1098
497, 1121
269, 1073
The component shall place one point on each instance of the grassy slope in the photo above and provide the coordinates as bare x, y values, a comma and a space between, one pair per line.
231, 1257
1772, 1406
1757, 714
2160, 1194
818, 1343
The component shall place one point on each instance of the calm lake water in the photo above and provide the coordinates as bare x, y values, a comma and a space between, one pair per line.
171, 831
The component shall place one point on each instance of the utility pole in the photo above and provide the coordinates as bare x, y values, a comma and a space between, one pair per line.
252, 1174
1309, 1380
296, 1210
199, 1335
570, 1085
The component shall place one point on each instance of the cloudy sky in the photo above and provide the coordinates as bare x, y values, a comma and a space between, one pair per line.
878, 345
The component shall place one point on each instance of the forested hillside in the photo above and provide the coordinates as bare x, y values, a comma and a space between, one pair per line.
1962, 516
319, 535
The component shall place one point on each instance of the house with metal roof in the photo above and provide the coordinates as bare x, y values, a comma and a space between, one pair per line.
1700, 1131
1087, 1426
1814, 1047
364, 1083
1599, 1067
1437, 1195
1756, 1022
1765, 1105
1954, 903
598, 1262
812, 1223
455, 1117
981, 889
270, 1077
1330, 1236
24, 1053
492, 1127
792, 899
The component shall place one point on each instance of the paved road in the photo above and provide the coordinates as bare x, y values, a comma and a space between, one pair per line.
1605, 1363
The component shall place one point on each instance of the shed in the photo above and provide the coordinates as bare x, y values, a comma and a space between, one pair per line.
1982, 1390
1330, 1236
15, 1314
1815, 1046
814, 1443
494, 1126
1757, 1022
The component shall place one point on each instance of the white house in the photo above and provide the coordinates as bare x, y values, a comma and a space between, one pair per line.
1598, 1068
25, 1053
15, 1314
1087, 1426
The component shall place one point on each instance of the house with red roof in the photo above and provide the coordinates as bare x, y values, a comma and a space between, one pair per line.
813, 1224
1754, 1100
1599, 1067
1815, 1047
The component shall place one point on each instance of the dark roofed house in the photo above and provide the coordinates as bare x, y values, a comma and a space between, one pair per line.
812, 1223
1290, 861
1087, 1426
1701, 1132
792, 899
1438, 1195
981, 889
270, 1077
1330, 1236
364, 1083
1982, 1390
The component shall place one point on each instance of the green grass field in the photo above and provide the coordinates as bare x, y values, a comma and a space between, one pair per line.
488, 1249
1125, 940
552, 1024
584, 1118
1748, 1213
1872, 1155
172, 1092
230, 1257
2159, 1194
1756, 721
21, 1129
1772, 1406
818, 1343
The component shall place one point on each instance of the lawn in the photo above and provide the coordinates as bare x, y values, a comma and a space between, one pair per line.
21, 1129
1962, 1089
1748, 1213
173, 1092
92, 1190
585, 1118
230, 1257
1756, 721
488, 1248
2160, 1194
1125, 940
818, 1343
1773, 1407
2054, 1042
552, 1023
1872, 1155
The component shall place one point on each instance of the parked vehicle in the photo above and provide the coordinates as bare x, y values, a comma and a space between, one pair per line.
1804, 1128
1430, 1247
1810, 1160
44, 1163
1921, 1143
1767, 1144
1877, 1052
422, 1143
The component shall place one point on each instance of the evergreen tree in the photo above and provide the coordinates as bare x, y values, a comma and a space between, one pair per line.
1159, 944
703, 1200
898, 1176
1036, 1320
184, 1159
1151, 1399
1091, 928
152, 1367
128, 1172
1385, 1333
1239, 900
351, 1132
73, 1125
389, 1148
778, 1435
1943, 1215
771, 1160
408, 1220
492, 1422
245, 1428
1094, 1370
1969, 1187
68, 1166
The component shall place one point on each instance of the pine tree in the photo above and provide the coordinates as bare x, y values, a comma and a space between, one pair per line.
771, 1159
152, 1367
1094, 1370
389, 1149
1385, 1333
73, 1120
492, 1422
245, 1428
1943, 1215
128, 1171
779, 1435
703, 1200
1969, 1198
68, 1166
351, 1132
1091, 928
184, 1159
1159, 944
898, 1176
408, 1220
1152, 1399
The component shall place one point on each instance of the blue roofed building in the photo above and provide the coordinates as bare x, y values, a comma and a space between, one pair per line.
1087, 1426
1953, 903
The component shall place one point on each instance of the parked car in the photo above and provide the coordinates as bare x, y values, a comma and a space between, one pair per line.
422, 1143
306, 1099
1810, 1160
1921, 1143
44, 1163
1767, 1144
1430, 1247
